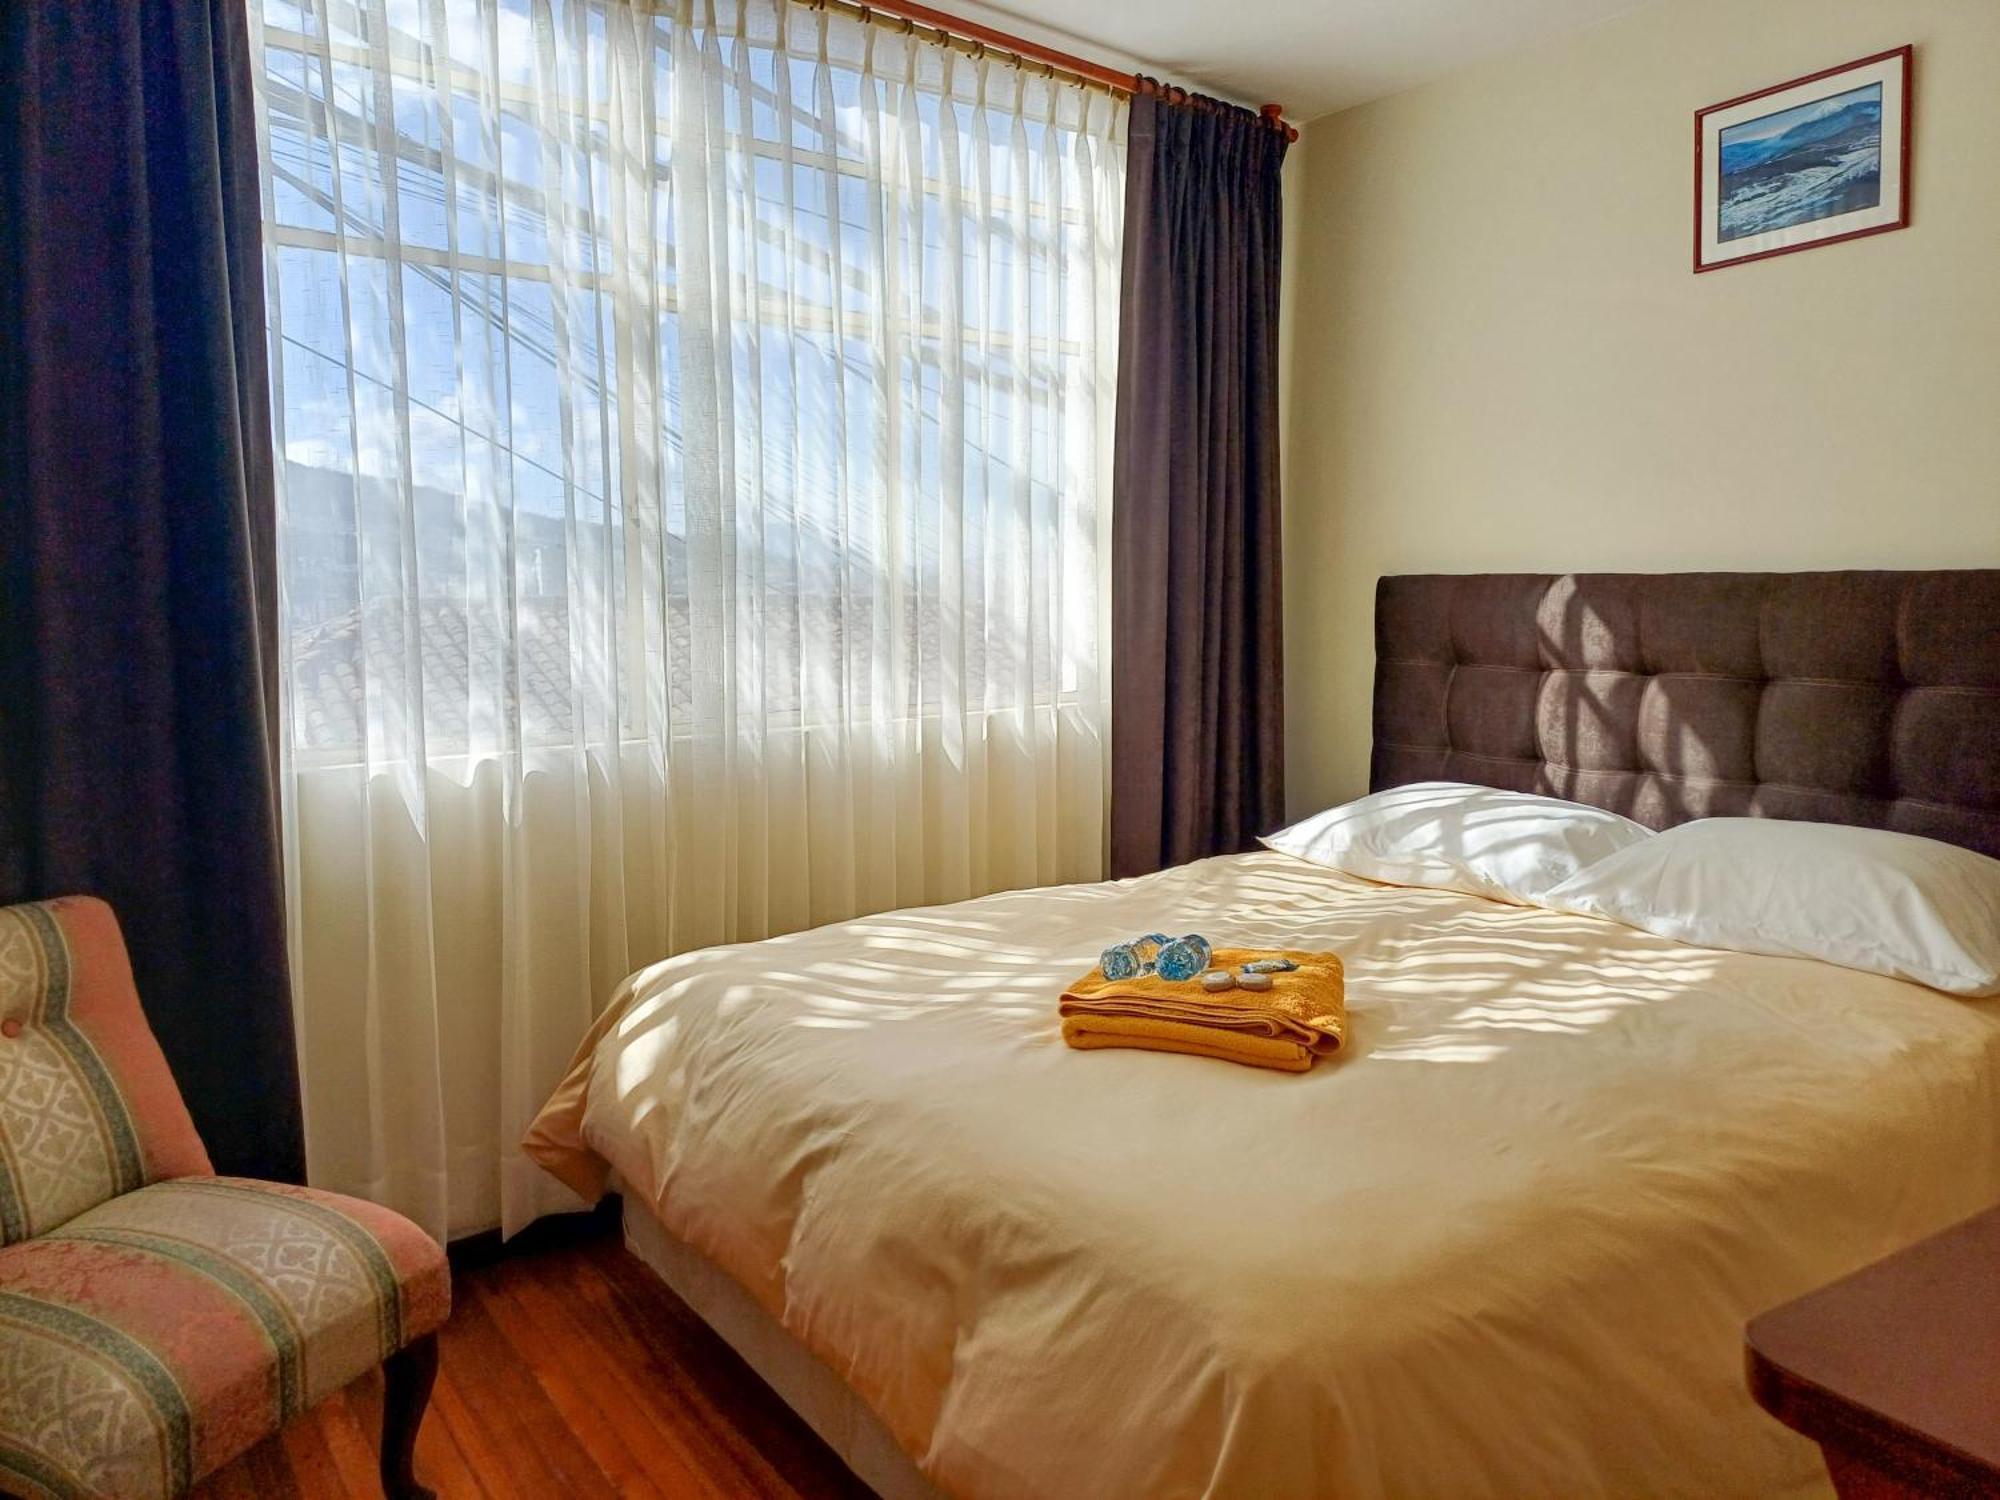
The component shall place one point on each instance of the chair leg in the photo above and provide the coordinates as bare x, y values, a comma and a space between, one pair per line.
407, 1379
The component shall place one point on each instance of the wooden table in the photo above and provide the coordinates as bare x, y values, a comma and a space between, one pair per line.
1895, 1370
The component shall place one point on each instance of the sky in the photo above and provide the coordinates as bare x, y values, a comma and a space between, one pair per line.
1778, 124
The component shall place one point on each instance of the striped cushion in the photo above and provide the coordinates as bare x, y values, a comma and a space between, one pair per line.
155, 1337
87, 1107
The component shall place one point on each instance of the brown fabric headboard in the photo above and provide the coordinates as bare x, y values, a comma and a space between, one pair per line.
1869, 698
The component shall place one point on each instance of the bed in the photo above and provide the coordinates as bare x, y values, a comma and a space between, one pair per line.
1503, 1246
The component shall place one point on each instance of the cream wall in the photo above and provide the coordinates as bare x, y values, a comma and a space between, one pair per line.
1500, 359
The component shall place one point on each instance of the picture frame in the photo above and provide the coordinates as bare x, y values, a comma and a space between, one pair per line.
1809, 162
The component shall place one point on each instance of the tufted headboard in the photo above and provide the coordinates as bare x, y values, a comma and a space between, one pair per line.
1870, 698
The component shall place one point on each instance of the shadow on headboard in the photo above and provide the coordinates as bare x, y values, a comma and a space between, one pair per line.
1869, 698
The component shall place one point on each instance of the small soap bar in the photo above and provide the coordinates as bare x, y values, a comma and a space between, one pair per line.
1269, 966
1252, 979
1216, 980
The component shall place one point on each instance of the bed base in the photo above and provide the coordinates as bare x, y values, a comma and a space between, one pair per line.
801, 1380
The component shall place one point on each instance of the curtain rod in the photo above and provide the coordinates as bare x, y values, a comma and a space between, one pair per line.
977, 39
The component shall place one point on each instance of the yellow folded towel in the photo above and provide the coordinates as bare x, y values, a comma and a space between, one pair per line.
1301, 1018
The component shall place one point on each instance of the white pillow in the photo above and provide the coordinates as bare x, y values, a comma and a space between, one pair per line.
1863, 898
1511, 846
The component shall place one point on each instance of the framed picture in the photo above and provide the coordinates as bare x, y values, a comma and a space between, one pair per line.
1820, 159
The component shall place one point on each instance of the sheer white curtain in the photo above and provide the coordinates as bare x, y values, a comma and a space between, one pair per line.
695, 432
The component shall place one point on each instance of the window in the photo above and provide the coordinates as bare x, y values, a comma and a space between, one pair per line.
633, 367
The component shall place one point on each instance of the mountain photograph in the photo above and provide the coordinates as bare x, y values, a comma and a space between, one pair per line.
1798, 166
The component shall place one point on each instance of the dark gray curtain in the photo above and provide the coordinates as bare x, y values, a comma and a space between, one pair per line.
1197, 705
137, 577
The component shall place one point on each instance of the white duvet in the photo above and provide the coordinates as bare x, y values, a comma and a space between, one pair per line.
1503, 1245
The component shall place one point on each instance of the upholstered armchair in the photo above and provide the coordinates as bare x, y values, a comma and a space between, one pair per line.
157, 1320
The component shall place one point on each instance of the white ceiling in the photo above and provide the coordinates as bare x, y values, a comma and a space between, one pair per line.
1312, 56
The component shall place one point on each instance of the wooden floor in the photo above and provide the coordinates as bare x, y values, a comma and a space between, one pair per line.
563, 1371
